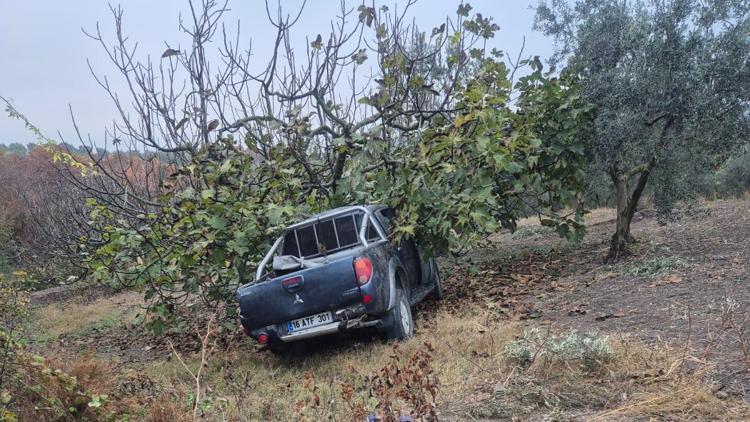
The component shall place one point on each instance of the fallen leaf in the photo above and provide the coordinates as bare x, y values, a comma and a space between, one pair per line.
670, 279
606, 316
577, 311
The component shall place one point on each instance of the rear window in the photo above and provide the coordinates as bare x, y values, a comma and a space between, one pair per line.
325, 236
347, 230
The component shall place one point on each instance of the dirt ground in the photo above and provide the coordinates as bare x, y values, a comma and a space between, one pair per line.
700, 302
684, 288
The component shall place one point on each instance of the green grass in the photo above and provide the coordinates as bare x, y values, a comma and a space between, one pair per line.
533, 232
81, 319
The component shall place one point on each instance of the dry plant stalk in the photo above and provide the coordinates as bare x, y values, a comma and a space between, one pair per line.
197, 375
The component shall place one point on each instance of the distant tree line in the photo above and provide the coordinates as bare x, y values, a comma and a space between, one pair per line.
15, 148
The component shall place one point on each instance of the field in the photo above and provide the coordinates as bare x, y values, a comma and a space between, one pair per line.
532, 327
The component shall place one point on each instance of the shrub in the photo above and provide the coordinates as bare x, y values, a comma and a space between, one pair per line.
401, 387
33, 386
521, 351
590, 351
6, 248
732, 180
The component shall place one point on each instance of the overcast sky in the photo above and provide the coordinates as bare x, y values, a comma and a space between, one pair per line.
43, 51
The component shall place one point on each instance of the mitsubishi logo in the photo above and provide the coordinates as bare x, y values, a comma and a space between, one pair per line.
297, 299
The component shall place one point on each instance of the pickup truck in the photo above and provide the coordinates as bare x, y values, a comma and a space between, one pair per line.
337, 271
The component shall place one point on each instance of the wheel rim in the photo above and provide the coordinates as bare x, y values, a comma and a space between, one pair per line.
405, 320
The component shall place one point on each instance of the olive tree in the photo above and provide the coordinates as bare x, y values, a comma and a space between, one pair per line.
671, 83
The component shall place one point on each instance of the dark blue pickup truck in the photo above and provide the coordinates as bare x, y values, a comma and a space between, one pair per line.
337, 271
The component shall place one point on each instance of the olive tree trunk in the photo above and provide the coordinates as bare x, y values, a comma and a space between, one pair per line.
627, 201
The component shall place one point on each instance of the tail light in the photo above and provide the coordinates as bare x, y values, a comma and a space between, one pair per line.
363, 270
262, 338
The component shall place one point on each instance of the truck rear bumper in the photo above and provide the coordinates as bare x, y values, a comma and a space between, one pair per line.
331, 328
344, 319
322, 330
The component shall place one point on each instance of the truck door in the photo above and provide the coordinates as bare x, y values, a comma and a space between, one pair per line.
407, 250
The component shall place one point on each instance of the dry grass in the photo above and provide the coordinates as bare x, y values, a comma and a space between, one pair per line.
467, 355
83, 388
58, 319
640, 382
475, 379
660, 386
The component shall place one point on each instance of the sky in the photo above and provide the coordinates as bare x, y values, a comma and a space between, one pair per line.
44, 52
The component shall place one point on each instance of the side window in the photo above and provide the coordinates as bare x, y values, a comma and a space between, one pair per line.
386, 217
372, 232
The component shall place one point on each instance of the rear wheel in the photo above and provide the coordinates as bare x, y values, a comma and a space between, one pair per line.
399, 321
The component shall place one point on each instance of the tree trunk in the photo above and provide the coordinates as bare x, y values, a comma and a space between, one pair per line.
621, 238
627, 203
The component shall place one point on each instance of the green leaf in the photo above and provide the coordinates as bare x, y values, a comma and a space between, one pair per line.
463, 9
98, 400
217, 222
360, 56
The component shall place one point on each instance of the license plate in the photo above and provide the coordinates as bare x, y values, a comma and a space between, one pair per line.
311, 321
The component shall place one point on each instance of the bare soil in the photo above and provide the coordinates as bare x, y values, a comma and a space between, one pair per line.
702, 305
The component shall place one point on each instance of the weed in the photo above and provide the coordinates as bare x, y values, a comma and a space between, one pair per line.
591, 350
166, 408
533, 232
399, 388
621, 380
654, 266
521, 351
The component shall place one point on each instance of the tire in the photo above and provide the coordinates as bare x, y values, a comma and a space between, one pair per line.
437, 291
399, 321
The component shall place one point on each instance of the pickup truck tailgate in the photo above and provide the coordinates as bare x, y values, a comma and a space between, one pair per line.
328, 287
